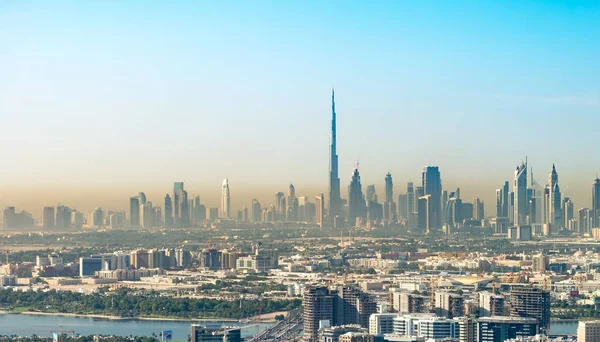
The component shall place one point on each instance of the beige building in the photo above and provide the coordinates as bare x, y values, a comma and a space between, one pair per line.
588, 331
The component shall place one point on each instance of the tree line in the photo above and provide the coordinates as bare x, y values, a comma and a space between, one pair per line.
126, 302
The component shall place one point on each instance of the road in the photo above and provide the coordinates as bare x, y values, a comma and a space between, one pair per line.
286, 330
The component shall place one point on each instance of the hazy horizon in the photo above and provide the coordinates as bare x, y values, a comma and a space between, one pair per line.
103, 100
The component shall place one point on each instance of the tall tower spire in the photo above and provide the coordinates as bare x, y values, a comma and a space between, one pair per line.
334, 180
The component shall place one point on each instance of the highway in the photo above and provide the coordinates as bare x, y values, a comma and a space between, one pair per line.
286, 330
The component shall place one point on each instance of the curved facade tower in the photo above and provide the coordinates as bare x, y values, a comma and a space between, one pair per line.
334, 179
225, 200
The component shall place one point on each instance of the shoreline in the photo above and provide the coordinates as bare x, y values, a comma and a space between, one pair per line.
118, 318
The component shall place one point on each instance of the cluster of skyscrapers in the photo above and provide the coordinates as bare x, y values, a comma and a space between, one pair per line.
542, 210
424, 207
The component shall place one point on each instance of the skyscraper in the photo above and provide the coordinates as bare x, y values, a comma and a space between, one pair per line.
48, 218
410, 197
142, 197
168, 211
502, 204
97, 218
432, 185
596, 203
318, 305
356, 200
225, 200
584, 220
63, 217
371, 193
280, 206
546, 205
388, 206
146, 216
184, 209
478, 210
520, 190
320, 210
134, 211
177, 189
256, 211
292, 204
568, 212
555, 202
531, 302
425, 214
334, 179
403, 206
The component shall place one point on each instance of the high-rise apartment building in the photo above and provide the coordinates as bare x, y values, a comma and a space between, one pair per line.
355, 306
318, 305
346, 305
406, 302
531, 302
490, 304
588, 331
449, 305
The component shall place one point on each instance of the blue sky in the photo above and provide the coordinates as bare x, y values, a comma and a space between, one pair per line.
138, 94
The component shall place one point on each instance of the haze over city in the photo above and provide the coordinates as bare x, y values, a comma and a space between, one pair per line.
101, 101
299, 171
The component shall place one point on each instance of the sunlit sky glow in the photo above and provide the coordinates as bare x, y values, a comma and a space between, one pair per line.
100, 100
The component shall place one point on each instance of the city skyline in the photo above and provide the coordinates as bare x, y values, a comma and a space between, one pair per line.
167, 118
316, 171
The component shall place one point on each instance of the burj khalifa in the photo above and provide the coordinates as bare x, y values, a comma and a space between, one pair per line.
334, 180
